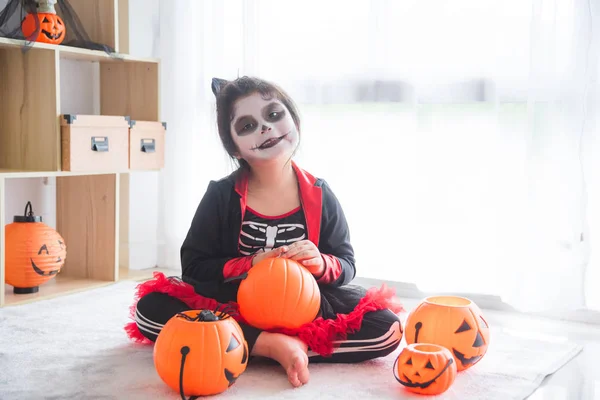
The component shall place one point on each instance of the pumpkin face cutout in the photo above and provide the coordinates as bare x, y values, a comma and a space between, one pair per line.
51, 28
455, 323
35, 253
49, 258
425, 368
200, 352
278, 293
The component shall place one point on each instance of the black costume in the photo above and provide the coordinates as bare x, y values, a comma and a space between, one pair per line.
220, 244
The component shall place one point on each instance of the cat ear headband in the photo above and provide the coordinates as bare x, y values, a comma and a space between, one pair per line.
218, 84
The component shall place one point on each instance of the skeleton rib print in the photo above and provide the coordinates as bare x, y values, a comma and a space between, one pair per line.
262, 232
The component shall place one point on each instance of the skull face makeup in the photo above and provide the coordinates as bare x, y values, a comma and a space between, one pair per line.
263, 129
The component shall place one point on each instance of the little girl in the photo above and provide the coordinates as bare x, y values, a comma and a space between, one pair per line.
270, 207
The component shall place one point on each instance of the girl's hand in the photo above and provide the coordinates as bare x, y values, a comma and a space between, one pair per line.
307, 254
268, 254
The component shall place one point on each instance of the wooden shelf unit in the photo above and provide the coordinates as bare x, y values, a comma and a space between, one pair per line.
63, 285
88, 204
30, 136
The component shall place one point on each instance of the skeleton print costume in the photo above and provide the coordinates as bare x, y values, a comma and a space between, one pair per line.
264, 233
354, 324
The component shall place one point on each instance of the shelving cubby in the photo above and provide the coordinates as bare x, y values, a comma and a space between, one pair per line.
89, 205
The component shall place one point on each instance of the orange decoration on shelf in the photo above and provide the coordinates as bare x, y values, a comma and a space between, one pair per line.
200, 352
35, 253
278, 293
453, 322
425, 368
51, 28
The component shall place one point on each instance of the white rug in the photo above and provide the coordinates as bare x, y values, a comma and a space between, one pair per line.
74, 347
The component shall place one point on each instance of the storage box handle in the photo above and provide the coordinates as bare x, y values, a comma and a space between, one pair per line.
99, 143
148, 145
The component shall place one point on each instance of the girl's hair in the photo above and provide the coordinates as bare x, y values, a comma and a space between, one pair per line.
228, 92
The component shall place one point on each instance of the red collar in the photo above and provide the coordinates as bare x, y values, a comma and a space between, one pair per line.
310, 197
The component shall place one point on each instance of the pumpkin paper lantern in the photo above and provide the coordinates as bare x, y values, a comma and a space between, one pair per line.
200, 352
278, 293
455, 323
35, 252
425, 368
45, 25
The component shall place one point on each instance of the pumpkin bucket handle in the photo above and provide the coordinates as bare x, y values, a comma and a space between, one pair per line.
394, 369
416, 384
184, 352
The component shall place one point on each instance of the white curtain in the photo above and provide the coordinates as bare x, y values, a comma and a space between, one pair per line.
460, 137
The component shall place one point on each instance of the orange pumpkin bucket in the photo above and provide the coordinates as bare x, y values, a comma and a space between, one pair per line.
453, 322
35, 252
44, 25
200, 352
425, 368
278, 293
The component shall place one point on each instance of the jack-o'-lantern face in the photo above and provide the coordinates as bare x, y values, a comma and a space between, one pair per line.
425, 368
52, 28
453, 322
49, 258
473, 333
200, 352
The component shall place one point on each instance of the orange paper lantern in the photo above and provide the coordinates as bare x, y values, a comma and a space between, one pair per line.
34, 253
51, 28
425, 368
453, 322
200, 352
279, 293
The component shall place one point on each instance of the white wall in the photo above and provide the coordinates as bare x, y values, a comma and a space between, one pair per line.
42, 194
80, 95
143, 186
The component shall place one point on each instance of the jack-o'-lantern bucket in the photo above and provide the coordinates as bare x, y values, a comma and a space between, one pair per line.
200, 353
34, 253
453, 322
44, 24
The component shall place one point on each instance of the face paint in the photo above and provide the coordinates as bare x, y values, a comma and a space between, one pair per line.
263, 130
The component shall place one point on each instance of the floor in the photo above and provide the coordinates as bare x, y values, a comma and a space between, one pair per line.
580, 378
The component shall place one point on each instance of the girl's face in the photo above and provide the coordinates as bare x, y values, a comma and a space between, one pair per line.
263, 130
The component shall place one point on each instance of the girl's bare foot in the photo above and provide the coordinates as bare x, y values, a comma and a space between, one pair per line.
289, 351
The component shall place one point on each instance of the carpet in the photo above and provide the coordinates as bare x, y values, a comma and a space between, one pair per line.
74, 347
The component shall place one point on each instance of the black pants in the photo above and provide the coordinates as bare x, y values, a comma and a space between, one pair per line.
380, 332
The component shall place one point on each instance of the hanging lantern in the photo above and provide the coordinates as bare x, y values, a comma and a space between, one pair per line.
44, 25
35, 252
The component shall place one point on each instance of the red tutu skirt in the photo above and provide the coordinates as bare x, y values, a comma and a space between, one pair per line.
320, 335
